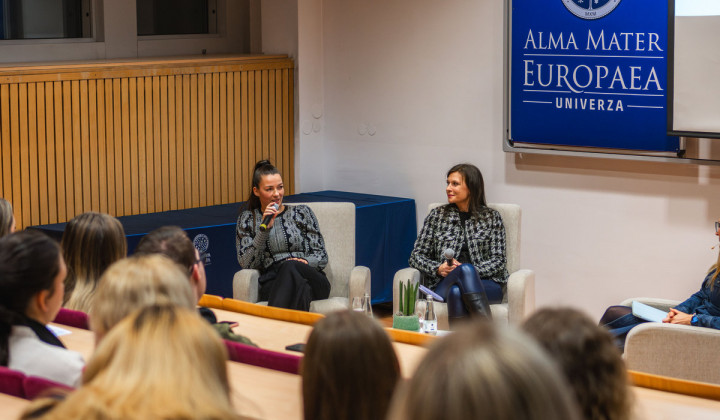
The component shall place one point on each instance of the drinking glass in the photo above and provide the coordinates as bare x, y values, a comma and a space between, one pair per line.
420, 308
357, 304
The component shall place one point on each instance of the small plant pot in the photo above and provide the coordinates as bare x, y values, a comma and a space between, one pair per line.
408, 323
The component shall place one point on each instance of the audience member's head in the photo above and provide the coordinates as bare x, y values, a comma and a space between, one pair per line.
32, 271
161, 362
349, 370
174, 243
91, 242
485, 372
7, 220
589, 358
134, 283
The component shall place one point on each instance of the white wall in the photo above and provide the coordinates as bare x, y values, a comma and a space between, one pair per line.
426, 77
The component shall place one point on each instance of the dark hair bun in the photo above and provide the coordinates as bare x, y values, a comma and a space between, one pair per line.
262, 163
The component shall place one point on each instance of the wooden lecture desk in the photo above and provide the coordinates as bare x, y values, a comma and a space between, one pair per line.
269, 394
11, 407
275, 335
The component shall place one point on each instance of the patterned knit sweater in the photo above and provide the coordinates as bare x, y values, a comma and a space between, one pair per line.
295, 233
443, 229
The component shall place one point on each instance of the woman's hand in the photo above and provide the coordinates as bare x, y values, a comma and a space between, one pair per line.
271, 211
445, 269
677, 317
304, 261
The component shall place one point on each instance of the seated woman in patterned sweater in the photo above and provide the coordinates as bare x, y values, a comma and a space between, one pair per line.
476, 235
289, 251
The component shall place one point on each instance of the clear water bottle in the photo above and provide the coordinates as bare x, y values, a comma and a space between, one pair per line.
367, 305
430, 323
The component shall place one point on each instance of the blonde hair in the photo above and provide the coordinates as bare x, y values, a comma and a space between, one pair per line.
161, 362
136, 282
484, 372
91, 242
6, 217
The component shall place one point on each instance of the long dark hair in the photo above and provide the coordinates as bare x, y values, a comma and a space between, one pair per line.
262, 168
350, 369
474, 181
29, 263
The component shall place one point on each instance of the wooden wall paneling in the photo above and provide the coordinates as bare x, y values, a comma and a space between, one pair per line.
102, 148
42, 156
194, 140
118, 184
6, 156
257, 107
271, 117
157, 140
149, 147
134, 152
50, 152
142, 151
167, 179
286, 126
67, 143
247, 167
291, 132
110, 148
264, 114
222, 152
202, 152
189, 158
85, 151
279, 139
209, 135
252, 156
230, 161
216, 165
94, 174
236, 140
16, 198
32, 142
127, 191
157, 164
137, 137
176, 141
76, 171
24, 155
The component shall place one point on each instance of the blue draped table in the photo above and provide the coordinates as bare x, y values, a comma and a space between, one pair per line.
385, 231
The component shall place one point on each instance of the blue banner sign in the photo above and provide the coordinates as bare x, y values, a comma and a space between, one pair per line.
590, 73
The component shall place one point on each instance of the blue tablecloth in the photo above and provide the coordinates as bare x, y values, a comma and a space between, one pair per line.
385, 231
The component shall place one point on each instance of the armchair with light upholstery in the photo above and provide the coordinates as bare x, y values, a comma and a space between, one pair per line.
337, 225
519, 298
678, 351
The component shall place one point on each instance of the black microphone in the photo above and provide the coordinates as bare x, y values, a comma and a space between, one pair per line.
449, 254
268, 218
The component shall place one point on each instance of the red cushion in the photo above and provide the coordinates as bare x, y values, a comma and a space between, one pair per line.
72, 318
11, 382
250, 355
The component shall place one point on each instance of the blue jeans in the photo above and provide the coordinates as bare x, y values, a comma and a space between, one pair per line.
620, 328
465, 279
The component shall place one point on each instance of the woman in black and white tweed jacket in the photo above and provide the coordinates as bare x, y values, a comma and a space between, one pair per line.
290, 253
476, 235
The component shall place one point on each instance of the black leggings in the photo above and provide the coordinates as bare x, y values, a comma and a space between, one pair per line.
293, 285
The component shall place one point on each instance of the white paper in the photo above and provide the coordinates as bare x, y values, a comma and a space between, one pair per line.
647, 312
57, 331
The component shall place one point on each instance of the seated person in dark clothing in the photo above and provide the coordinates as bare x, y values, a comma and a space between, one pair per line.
174, 243
289, 251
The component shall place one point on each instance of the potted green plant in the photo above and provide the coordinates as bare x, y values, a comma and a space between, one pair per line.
406, 318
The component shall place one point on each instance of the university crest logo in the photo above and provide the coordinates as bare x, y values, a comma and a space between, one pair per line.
590, 9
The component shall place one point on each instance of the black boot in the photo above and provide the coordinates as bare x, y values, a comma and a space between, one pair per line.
477, 304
